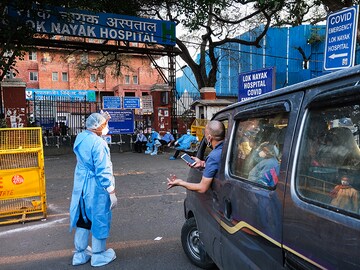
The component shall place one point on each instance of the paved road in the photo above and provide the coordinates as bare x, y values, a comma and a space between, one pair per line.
146, 212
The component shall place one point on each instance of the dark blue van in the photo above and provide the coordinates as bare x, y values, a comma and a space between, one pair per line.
304, 212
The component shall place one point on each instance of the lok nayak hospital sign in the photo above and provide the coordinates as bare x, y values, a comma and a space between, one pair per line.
60, 21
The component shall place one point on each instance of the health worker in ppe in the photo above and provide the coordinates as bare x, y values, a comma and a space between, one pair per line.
93, 194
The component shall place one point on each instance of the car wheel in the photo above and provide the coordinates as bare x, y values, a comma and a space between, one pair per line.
193, 247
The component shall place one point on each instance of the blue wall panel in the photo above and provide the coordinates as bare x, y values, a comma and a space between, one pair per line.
279, 49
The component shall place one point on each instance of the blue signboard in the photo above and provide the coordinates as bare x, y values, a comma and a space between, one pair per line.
131, 103
256, 83
111, 102
72, 95
81, 23
341, 28
121, 122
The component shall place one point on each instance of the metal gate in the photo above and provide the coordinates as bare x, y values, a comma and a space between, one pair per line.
69, 113
22, 177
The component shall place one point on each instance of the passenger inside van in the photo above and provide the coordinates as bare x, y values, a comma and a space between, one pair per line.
344, 196
338, 149
267, 170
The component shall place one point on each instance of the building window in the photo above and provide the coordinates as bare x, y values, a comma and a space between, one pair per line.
32, 56
65, 77
55, 76
101, 78
129, 94
164, 98
127, 79
46, 57
135, 79
34, 76
92, 78
84, 58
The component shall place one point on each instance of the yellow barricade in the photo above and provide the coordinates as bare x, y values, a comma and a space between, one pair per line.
22, 176
198, 128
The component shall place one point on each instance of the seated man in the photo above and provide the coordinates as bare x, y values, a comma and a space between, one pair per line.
267, 170
183, 143
140, 141
153, 143
168, 139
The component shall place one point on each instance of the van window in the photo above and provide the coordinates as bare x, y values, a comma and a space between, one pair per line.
257, 147
328, 167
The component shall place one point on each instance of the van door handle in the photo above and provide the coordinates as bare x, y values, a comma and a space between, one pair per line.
228, 209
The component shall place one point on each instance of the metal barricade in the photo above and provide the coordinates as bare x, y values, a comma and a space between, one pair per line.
198, 128
22, 176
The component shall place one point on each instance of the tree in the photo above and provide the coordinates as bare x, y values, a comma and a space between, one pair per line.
16, 36
213, 23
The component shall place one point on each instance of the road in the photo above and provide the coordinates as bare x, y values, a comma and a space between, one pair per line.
146, 224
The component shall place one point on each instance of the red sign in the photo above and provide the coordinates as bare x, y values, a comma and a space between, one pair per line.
17, 179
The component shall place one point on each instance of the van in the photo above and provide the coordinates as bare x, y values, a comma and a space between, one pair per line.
301, 213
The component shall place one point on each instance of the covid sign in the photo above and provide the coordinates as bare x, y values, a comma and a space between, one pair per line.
256, 83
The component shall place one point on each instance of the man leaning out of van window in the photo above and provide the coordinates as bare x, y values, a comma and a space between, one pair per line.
214, 135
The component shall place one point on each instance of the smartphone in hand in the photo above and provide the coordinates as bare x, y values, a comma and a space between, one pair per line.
188, 159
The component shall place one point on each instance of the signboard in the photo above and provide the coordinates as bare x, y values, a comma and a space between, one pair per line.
147, 105
81, 23
256, 83
131, 103
78, 95
341, 28
111, 102
107, 138
121, 122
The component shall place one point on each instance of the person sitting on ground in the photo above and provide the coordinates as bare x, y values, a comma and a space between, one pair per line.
153, 143
183, 143
267, 170
168, 139
140, 141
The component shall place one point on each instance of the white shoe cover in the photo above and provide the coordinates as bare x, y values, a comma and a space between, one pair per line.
82, 253
103, 258
81, 257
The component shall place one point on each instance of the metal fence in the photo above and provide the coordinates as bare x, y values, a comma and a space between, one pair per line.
68, 113
22, 177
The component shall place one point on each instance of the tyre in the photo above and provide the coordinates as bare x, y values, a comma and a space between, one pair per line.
193, 247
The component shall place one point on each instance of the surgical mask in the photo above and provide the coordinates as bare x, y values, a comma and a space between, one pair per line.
167, 132
152, 131
105, 131
262, 154
344, 182
188, 133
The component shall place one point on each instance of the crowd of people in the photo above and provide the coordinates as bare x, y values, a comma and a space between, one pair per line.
149, 142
